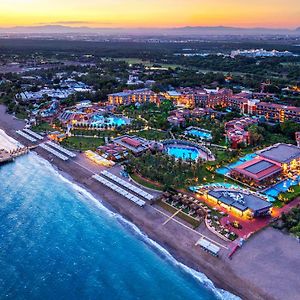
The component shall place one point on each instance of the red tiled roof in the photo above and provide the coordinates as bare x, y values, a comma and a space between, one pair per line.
131, 142
264, 173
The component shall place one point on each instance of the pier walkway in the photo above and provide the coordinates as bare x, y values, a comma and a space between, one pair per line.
5, 156
8, 156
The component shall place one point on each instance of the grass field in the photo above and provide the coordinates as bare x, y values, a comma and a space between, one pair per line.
43, 127
152, 134
289, 196
145, 183
147, 63
82, 143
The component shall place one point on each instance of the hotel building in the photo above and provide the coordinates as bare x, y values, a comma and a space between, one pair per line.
271, 162
205, 98
235, 131
277, 113
240, 202
128, 97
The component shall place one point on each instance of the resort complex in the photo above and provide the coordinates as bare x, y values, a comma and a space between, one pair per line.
246, 103
204, 161
185, 167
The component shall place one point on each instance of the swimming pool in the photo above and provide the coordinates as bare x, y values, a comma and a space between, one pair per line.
281, 187
183, 152
99, 120
206, 135
269, 197
225, 170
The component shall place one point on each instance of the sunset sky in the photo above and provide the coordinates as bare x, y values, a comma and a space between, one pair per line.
151, 13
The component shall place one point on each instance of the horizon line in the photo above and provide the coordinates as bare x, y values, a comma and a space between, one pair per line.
72, 25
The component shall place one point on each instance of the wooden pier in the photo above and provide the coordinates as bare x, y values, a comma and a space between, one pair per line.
9, 156
5, 156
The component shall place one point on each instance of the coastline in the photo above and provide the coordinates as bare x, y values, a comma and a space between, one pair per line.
172, 237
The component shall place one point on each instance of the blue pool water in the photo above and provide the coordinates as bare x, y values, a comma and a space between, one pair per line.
226, 169
199, 133
195, 189
281, 187
183, 152
272, 192
113, 120
248, 157
223, 171
58, 242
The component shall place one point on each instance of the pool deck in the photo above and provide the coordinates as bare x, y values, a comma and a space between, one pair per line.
199, 132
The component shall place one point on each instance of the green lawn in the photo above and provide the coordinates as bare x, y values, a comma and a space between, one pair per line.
145, 183
42, 127
82, 143
22, 115
146, 63
152, 134
289, 196
98, 133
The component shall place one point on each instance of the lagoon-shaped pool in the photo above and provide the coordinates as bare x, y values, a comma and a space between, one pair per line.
187, 150
185, 153
282, 187
115, 121
199, 133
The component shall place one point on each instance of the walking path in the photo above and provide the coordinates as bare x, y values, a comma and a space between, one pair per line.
190, 229
170, 218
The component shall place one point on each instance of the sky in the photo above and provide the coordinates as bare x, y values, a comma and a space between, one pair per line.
151, 13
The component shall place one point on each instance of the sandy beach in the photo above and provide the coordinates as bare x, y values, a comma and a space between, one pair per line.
7, 143
250, 274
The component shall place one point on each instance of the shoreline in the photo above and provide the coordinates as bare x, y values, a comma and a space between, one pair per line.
146, 229
172, 237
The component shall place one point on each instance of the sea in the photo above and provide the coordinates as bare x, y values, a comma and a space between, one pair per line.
58, 242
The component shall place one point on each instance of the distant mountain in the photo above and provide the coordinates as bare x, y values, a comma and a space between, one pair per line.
234, 30
180, 31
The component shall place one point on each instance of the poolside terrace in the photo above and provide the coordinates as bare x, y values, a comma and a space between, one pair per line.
199, 133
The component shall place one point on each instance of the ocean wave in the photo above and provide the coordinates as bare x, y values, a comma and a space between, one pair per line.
200, 277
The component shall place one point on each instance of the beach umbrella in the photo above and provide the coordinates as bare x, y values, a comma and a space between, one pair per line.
200, 212
194, 206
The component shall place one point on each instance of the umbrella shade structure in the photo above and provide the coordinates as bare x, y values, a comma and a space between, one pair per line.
200, 212
194, 206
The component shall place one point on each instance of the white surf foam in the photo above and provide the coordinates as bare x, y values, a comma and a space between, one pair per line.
7, 142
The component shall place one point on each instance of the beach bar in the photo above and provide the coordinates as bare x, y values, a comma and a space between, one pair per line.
208, 246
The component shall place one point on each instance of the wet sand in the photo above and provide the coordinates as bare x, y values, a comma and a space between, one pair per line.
235, 276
